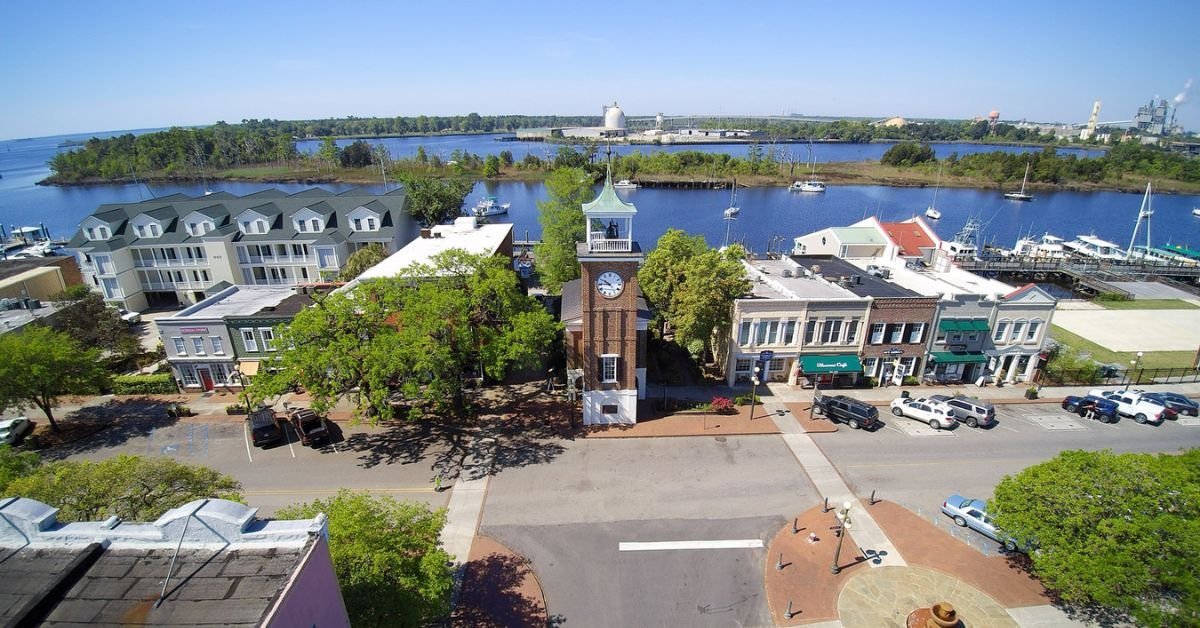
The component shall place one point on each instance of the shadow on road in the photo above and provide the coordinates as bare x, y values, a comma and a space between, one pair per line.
97, 427
492, 596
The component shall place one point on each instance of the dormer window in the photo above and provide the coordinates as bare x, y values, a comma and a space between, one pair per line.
141, 230
371, 224
358, 224
301, 226
261, 225
155, 231
316, 224
254, 226
307, 225
102, 232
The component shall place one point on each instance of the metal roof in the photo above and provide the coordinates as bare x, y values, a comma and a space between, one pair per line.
608, 203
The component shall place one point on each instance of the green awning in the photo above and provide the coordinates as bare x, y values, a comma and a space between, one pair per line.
974, 324
956, 357
812, 364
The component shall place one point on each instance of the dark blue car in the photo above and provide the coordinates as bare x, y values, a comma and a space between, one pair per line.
1091, 406
1176, 402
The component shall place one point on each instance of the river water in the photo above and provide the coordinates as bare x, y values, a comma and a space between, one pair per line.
767, 213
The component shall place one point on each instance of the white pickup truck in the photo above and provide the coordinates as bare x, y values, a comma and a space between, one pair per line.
937, 414
1133, 404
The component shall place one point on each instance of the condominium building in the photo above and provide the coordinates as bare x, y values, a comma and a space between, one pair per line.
174, 249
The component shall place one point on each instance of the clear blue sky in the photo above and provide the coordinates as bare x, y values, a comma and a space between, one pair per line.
91, 66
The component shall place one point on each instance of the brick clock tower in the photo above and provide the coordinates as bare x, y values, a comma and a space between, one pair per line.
609, 337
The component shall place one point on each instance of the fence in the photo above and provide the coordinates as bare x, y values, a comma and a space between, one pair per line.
1113, 377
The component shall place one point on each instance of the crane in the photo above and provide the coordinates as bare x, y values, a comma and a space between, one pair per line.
1091, 125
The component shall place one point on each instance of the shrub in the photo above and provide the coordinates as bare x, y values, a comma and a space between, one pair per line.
235, 408
873, 382
157, 384
910, 381
1111, 296
722, 405
745, 400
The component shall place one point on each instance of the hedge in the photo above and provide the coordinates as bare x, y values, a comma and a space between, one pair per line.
159, 384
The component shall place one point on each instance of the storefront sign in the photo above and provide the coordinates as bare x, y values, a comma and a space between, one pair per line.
193, 330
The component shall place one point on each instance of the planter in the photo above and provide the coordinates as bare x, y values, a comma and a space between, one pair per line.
233, 410
1031, 394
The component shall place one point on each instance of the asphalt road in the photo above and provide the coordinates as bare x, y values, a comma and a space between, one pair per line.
569, 518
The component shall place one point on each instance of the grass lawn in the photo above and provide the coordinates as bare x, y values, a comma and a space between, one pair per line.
1148, 304
1150, 360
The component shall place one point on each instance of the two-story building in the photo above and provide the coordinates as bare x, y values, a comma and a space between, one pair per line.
174, 249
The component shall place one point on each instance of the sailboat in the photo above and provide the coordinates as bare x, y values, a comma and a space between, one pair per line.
932, 211
733, 209
1144, 214
812, 185
1021, 196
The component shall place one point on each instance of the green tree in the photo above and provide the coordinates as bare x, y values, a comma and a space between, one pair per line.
387, 556
361, 260
907, 154
133, 488
357, 155
434, 201
88, 320
329, 152
15, 464
40, 365
563, 225
693, 286
491, 166
1121, 531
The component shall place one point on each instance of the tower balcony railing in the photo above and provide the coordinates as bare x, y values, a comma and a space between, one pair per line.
597, 243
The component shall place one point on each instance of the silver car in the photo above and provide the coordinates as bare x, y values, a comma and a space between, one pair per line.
972, 513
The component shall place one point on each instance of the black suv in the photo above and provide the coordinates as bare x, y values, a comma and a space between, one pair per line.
310, 426
264, 428
857, 414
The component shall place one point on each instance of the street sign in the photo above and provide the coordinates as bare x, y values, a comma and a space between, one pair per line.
766, 356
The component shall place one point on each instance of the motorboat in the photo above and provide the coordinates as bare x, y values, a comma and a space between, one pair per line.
1046, 247
625, 184
812, 185
1021, 196
488, 206
1196, 211
1095, 248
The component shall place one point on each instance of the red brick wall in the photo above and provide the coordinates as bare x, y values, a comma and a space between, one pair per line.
609, 325
900, 310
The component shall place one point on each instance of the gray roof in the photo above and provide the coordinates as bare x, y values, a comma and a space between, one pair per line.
275, 204
867, 284
572, 304
14, 267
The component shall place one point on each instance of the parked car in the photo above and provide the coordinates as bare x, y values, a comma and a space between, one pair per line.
974, 412
132, 318
937, 414
13, 431
1133, 404
1176, 402
1095, 407
310, 426
264, 428
857, 414
972, 513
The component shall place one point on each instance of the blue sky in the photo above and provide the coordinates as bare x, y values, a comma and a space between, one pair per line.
90, 66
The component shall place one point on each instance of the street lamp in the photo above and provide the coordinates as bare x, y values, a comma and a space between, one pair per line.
843, 517
754, 391
1134, 364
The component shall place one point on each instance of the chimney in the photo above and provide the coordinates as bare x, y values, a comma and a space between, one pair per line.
426, 232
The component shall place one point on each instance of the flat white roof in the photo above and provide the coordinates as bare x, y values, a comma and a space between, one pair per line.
466, 233
774, 285
233, 301
952, 282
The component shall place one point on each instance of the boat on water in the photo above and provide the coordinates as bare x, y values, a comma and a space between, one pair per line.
1048, 246
932, 212
1196, 211
965, 244
1021, 196
813, 184
489, 206
733, 208
1095, 248
625, 184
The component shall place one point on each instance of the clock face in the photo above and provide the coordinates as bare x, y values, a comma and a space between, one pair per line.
609, 284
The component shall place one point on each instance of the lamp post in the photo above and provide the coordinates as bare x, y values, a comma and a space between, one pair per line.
843, 517
1134, 365
754, 391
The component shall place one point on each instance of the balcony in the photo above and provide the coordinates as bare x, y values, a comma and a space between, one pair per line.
597, 243
169, 263
302, 260
176, 285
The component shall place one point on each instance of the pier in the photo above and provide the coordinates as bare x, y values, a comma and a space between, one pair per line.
1091, 276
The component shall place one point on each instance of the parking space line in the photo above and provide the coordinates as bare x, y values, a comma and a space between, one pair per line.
690, 545
246, 436
287, 435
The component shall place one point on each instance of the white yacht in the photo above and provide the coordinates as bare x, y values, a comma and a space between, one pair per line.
733, 208
625, 184
488, 206
1046, 247
1095, 248
1196, 211
1021, 196
812, 185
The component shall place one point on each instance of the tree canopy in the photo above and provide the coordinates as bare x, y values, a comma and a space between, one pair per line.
907, 154
561, 217
15, 464
88, 320
387, 556
357, 155
692, 287
419, 334
434, 201
1121, 531
361, 260
40, 365
130, 487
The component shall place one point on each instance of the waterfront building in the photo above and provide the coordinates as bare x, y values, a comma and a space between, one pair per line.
174, 249
223, 564
614, 126
606, 316
1154, 118
38, 277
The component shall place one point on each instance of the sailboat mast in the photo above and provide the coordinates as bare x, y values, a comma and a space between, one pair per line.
1144, 213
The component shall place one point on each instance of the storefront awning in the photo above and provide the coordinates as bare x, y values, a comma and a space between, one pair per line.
248, 368
958, 357
974, 324
812, 364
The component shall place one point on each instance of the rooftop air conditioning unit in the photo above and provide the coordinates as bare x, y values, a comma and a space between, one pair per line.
787, 272
856, 279
885, 273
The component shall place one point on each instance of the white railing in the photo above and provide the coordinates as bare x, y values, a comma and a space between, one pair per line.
275, 282
294, 259
167, 263
173, 285
599, 244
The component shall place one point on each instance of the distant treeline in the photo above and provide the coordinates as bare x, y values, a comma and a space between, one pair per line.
1047, 166
403, 125
172, 152
863, 131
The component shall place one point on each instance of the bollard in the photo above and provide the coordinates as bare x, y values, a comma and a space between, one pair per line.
872, 501
779, 565
795, 525
789, 614
825, 508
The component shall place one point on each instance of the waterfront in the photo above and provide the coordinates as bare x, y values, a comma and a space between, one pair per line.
770, 212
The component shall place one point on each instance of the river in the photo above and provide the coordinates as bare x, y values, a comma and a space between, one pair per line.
767, 213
